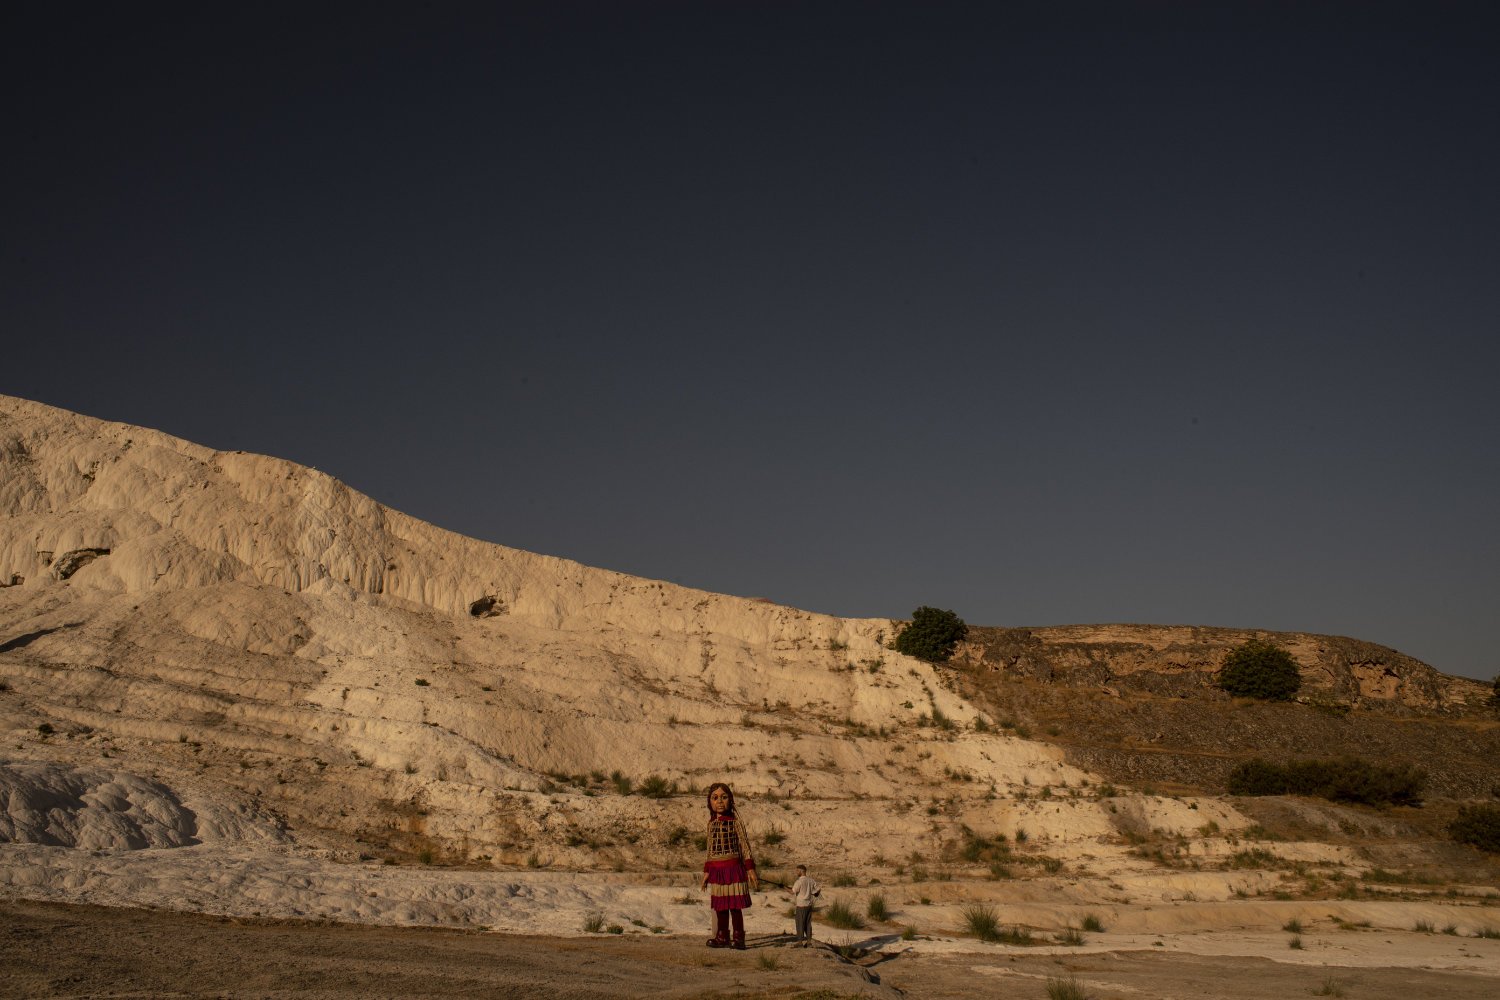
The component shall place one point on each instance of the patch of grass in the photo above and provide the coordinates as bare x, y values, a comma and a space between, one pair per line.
1065, 989
1071, 936
1487, 932
1093, 923
623, 785
656, 787
1292, 926
909, 933
422, 682
1330, 988
767, 961
1255, 857
615, 929
1295, 942
425, 856
773, 837
876, 909
843, 880
982, 921
839, 914
593, 923
1451, 929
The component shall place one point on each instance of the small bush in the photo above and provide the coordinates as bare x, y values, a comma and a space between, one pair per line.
45, 729
843, 880
1477, 825
1071, 936
1295, 943
982, 921
839, 914
1330, 988
909, 933
1344, 779
1292, 926
1259, 669
768, 962
422, 682
623, 785
876, 909
593, 923
657, 787
1093, 923
1065, 989
615, 929
933, 635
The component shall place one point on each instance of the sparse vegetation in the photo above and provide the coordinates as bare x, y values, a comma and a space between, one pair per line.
657, 787
839, 914
1259, 669
767, 961
593, 923
1292, 926
876, 909
422, 682
933, 635
1345, 779
1070, 936
1092, 923
1295, 942
1065, 989
1330, 988
982, 921
1479, 826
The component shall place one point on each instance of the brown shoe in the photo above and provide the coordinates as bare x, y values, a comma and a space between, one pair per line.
717, 942
739, 944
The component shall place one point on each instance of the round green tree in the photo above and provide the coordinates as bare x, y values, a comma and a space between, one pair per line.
1260, 669
932, 635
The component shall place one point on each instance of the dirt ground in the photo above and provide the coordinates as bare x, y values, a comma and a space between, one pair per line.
55, 950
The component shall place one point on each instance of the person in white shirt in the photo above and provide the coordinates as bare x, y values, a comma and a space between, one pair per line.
803, 891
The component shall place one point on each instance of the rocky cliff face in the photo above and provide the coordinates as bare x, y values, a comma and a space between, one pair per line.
243, 667
256, 629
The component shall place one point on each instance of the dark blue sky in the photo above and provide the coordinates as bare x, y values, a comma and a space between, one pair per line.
1048, 313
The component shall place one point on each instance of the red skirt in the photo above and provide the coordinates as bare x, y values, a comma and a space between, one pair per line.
727, 887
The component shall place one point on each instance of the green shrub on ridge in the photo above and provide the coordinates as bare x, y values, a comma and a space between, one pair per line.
933, 635
1259, 669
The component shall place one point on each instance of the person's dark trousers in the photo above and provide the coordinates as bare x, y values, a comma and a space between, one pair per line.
804, 922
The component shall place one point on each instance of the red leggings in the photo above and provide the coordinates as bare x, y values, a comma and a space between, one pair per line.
722, 927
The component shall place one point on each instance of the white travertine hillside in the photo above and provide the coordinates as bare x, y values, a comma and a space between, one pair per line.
235, 631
